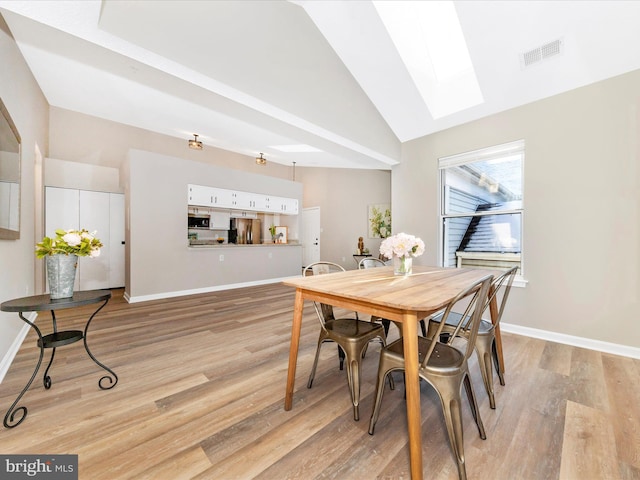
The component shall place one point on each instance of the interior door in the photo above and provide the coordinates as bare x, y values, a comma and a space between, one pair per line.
310, 235
94, 216
116, 240
61, 211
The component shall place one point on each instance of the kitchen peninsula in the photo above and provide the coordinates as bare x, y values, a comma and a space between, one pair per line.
162, 260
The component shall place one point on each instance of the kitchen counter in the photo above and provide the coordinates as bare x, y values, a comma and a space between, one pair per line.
236, 245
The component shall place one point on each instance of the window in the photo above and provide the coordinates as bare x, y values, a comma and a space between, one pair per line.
482, 207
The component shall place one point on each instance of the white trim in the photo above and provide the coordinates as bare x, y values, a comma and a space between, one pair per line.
496, 151
600, 346
7, 360
217, 288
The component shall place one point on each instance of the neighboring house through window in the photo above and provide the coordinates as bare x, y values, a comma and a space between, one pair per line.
482, 207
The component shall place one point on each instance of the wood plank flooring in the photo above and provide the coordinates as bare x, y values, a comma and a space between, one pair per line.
201, 394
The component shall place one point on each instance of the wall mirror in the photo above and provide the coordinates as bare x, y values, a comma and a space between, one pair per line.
9, 176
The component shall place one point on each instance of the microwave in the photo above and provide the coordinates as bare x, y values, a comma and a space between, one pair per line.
198, 221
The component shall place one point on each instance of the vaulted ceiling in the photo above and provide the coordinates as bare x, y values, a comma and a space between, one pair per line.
249, 76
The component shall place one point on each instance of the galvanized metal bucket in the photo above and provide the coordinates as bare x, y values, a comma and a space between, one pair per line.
61, 274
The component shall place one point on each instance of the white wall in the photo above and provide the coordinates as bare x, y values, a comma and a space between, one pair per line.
581, 232
29, 110
160, 261
344, 196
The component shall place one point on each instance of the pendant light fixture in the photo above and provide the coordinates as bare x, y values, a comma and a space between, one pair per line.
195, 143
261, 160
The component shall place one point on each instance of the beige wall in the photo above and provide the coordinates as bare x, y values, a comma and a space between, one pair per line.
343, 196
160, 264
582, 206
29, 110
82, 138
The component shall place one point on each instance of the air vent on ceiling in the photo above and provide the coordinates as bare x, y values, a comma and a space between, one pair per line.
542, 52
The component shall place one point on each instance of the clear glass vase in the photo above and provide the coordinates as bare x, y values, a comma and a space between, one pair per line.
402, 265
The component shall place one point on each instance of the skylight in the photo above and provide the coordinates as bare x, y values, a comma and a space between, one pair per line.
429, 39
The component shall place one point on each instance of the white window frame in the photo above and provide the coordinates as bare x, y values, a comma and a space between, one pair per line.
486, 153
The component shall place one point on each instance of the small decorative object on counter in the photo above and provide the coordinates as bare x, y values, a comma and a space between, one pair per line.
402, 248
61, 254
360, 246
272, 231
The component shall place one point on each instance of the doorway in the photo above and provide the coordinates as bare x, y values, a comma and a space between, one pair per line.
310, 235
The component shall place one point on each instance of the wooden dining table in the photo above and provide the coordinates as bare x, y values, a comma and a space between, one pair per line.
404, 299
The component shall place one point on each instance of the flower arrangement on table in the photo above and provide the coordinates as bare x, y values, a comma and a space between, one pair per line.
402, 247
70, 242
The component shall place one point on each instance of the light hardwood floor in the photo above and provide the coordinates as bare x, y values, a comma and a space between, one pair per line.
201, 394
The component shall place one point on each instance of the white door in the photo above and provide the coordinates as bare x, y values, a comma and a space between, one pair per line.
94, 216
116, 240
310, 235
61, 212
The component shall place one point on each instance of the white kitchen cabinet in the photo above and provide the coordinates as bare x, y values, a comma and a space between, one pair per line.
243, 202
222, 198
219, 219
199, 210
103, 212
243, 214
283, 205
199, 195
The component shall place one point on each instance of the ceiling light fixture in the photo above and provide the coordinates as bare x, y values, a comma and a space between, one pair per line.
195, 143
261, 160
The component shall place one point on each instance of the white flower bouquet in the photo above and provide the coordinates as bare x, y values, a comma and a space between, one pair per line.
70, 242
402, 245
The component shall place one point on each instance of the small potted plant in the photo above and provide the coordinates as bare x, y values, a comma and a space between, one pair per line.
61, 255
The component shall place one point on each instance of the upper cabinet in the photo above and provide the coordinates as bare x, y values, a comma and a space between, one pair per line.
237, 200
199, 195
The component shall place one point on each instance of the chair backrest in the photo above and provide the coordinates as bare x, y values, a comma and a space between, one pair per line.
501, 285
370, 262
325, 312
476, 295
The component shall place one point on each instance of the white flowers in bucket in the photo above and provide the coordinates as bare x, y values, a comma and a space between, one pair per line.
70, 242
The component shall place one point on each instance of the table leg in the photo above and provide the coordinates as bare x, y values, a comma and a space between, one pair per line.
9, 418
113, 380
412, 385
293, 349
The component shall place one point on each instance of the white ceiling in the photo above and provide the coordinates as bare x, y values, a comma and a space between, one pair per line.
249, 75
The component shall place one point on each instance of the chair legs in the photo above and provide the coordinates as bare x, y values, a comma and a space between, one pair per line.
353, 353
448, 389
487, 358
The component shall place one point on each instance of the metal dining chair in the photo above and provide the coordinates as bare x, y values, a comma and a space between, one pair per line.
485, 343
351, 335
370, 262
444, 367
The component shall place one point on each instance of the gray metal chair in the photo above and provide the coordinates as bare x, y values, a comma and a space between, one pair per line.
351, 335
485, 343
444, 367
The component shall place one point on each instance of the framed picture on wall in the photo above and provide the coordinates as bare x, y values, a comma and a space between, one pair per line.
379, 220
281, 234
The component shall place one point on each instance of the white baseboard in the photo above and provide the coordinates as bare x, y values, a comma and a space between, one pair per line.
181, 293
613, 348
6, 361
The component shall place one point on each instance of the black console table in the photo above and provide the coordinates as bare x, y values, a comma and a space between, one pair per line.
55, 339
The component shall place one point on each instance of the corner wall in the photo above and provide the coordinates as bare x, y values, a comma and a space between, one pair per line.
581, 224
29, 110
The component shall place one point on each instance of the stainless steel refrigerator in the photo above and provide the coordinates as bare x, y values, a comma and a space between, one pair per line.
247, 230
